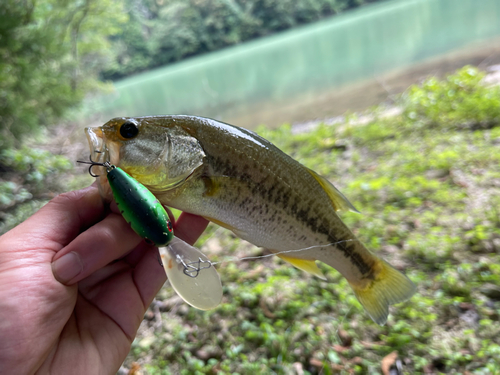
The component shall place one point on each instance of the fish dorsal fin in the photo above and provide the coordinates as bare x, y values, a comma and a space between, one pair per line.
309, 266
339, 201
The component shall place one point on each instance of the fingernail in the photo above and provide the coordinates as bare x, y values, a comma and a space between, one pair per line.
67, 267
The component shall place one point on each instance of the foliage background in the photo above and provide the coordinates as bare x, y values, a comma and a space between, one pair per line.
50, 52
161, 32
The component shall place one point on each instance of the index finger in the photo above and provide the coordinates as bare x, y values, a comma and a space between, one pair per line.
189, 227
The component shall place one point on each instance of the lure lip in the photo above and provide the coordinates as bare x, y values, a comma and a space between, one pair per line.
201, 289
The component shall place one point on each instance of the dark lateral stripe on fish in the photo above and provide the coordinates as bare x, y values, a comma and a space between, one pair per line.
279, 197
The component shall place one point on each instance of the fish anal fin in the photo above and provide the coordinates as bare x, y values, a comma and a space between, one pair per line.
339, 201
387, 288
309, 266
218, 222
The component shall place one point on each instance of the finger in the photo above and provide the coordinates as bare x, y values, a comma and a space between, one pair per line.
125, 295
102, 243
189, 227
132, 260
170, 214
135, 256
60, 220
113, 207
117, 297
149, 276
91, 285
125, 263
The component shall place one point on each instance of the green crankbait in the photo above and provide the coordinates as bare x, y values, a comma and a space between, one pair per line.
181, 261
139, 207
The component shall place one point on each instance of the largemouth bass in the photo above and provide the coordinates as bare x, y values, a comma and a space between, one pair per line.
239, 180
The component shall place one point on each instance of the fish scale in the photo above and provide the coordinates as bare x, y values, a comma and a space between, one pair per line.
242, 182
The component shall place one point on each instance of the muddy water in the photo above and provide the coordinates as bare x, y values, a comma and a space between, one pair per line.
361, 95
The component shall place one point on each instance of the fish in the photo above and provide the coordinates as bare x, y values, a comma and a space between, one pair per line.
242, 182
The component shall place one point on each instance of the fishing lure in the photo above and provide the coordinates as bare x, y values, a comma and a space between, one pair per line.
202, 290
139, 207
148, 218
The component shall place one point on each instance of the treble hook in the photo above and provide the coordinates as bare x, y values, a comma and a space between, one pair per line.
193, 271
92, 163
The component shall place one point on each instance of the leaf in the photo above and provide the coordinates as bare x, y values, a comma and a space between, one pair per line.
388, 361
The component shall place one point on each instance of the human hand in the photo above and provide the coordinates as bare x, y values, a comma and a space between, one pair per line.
75, 282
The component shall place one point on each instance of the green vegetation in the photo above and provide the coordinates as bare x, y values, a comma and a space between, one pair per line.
458, 102
50, 51
30, 177
161, 32
428, 187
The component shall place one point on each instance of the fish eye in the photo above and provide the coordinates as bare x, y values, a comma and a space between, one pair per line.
129, 129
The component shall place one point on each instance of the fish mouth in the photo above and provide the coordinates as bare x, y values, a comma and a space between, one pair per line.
98, 150
99, 153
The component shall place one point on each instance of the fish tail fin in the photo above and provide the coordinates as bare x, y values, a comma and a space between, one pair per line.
389, 287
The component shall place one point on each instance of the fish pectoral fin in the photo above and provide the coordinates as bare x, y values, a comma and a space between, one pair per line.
309, 266
389, 287
214, 184
339, 201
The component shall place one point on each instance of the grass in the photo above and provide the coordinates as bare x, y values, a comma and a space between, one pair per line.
427, 183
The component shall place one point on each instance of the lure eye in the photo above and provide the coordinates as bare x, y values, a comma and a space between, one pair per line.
129, 129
